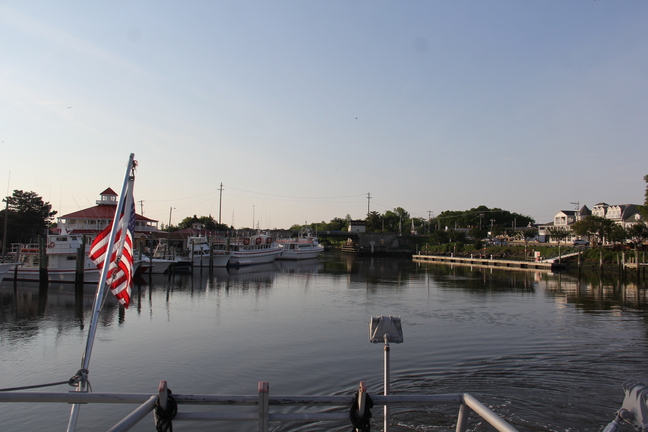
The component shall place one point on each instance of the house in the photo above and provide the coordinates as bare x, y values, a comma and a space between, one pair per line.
93, 220
357, 226
622, 214
562, 219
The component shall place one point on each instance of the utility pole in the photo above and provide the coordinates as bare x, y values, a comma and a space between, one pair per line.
429, 220
141, 207
6, 216
368, 201
4, 230
220, 204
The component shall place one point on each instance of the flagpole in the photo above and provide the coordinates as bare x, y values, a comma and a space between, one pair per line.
99, 295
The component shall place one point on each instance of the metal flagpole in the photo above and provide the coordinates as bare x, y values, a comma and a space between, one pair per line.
100, 293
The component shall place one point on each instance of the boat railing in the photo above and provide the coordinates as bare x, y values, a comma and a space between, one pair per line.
353, 408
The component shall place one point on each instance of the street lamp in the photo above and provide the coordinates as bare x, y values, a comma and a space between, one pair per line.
385, 329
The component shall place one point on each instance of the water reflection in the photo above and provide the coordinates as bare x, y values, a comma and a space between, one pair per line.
534, 343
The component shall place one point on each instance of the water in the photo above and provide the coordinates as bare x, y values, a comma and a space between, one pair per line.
546, 352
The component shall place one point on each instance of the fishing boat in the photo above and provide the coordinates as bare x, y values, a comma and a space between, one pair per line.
257, 249
306, 246
61, 252
6, 267
201, 252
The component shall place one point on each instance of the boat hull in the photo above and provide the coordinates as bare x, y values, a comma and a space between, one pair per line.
218, 260
300, 254
53, 275
242, 258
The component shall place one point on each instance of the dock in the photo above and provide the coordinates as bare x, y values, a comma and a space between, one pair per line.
547, 265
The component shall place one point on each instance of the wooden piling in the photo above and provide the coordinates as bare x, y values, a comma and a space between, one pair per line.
80, 263
42, 261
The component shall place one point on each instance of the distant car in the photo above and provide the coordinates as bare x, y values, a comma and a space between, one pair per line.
580, 242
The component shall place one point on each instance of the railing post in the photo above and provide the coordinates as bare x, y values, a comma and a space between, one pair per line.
386, 379
264, 411
163, 397
462, 417
362, 398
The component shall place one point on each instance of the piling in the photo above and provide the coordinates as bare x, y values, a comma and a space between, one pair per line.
42, 262
80, 263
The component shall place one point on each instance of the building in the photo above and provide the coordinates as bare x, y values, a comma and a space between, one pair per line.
357, 226
622, 214
93, 220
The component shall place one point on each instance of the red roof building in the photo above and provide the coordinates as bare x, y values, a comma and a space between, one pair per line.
94, 219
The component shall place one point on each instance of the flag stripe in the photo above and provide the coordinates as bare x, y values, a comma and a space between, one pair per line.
120, 271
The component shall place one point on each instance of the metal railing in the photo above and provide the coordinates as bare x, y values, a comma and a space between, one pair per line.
147, 403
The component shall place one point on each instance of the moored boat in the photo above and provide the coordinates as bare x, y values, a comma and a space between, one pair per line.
257, 249
6, 267
201, 251
306, 246
61, 252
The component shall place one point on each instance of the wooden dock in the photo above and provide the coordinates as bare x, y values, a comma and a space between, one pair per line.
486, 262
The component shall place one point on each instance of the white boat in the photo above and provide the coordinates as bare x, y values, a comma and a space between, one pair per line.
257, 249
6, 267
200, 255
61, 251
155, 265
305, 246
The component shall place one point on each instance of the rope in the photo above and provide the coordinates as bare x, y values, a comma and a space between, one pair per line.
361, 423
33, 386
163, 417
81, 375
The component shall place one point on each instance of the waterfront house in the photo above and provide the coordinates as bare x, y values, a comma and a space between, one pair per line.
91, 221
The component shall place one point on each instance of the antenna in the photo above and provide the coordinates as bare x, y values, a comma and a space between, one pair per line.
577, 204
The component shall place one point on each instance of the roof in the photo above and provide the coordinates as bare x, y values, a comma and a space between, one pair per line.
100, 212
108, 191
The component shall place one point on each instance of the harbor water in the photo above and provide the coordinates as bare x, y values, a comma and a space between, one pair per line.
547, 352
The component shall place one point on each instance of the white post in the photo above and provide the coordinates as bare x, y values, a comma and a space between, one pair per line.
386, 386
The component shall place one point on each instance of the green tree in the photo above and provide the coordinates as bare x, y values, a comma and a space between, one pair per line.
595, 228
480, 217
618, 234
373, 222
28, 216
207, 222
637, 233
336, 224
558, 234
397, 221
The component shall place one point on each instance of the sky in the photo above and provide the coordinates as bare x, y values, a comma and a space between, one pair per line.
306, 111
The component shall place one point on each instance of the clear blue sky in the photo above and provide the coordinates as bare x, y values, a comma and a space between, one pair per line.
301, 108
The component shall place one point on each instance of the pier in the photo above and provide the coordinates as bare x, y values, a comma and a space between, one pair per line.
486, 262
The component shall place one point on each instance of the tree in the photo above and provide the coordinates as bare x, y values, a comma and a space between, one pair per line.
618, 234
28, 216
559, 234
397, 221
373, 222
637, 233
595, 228
207, 222
478, 217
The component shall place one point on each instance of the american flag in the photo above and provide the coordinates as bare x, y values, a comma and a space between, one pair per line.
120, 271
